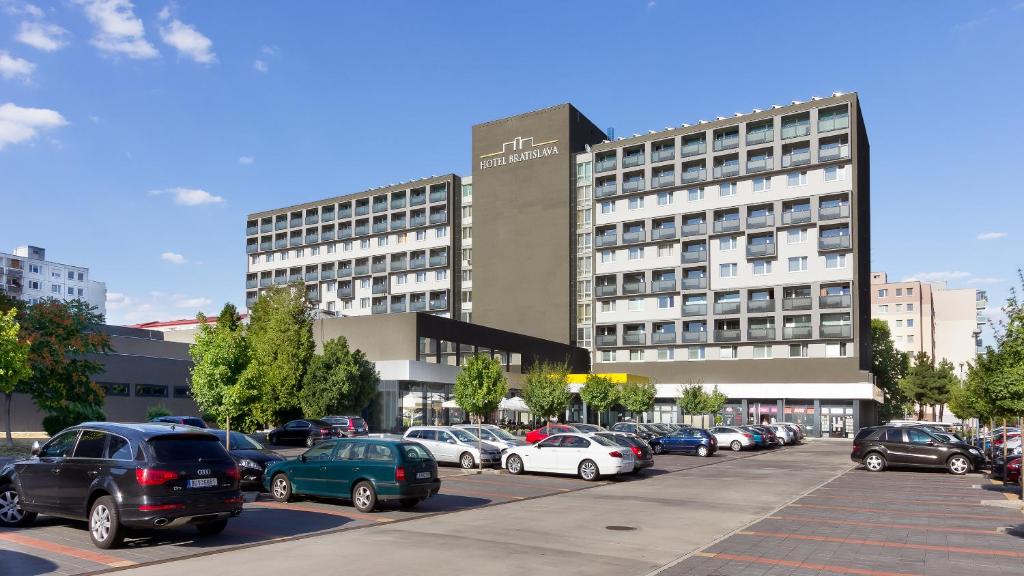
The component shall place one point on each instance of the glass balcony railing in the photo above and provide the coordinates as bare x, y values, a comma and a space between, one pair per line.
379, 308
438, 261
438, 196
761, 221
727, 335
250, 283
663, 338
694, 336
727, 226
605, 240
327, 216
605, 189
727, 170
663, 233
251, 230
663, 154
695, 229
796, 158
438, 217
760, 164
379, 227
438, 303
344, 272
836, 331
398, 307
834, 243
693, 148
380, 206
295, 241
835, 301
694, 256
632, 237
760, 306
727, 308
265, 282
605, 164
292, 278
312, 219
700, 283
694, 310
796, 216
606, 340
327, 236
295, 223
695, 175
398, 204
398, 224
417, 263
760, 250
264, 246
605, 290
663, 285
399, 265
663, 179
379, 288
634, 339
795, 130
766, 333
631, 160
416, 221
312, 276
361, 270
417, 305
833, 152
362, 230
362, 209
727, 141
327, 274
762, 136
797, 303
312, 238
633, 185
345, 213
345, 232
266, 227
629, 288
278, 244
834, 212
417, 199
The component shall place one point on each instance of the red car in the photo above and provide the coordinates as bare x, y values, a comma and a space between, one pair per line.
534, 436
1013, 471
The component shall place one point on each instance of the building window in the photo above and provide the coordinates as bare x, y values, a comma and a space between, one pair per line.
421, 277
636, 253
607, 207
33, 268
583, 241
345, 247
762, 184
899, 307
268, 257
694, 194
467, 297
607, 305
910, 322
727, 243
607, 356
835, 173
798, 264
71, 275
882, 293
346, 305
440, 275
467, 212
727, 189
255, 259
381, 241
910, 291
835, 350
635, 305
114, 389
695, 353
441, 232
33, 285
667, 301
835, 261
55, 288
910, 338
399, 279
71, 291
582, 218
762, 267
364, 303
910, 307
883, 308
666, 354
762, 351
727, 270
607, 256
636, 202
364, 282
728, 352
796, 179
636, 355
798, 350
899, 323
150, 391
664, 250
796, 236
664, 198
467, 190
421, 234
899, 291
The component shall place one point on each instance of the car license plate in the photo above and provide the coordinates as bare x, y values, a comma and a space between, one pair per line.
202, 482
422, 475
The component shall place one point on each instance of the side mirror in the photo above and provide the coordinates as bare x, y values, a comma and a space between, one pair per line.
36, 448
302, 457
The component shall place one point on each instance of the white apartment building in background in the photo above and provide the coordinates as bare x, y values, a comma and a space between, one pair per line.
27, 274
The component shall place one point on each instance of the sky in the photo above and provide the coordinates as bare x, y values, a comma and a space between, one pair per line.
135, 138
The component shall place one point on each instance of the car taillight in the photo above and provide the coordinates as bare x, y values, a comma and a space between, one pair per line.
325, 431
160, 507
351, 425
748, 435
636, 451
234, 473
615, 454
153, 476
400, 474
234, 500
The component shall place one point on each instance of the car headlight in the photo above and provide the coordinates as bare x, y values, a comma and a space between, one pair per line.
975, 451
247, 463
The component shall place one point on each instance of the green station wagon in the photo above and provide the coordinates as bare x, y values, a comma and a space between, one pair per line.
363, 470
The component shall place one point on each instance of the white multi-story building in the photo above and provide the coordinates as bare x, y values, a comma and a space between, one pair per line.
28, 275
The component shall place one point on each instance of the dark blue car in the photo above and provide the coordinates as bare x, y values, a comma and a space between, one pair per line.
696, 440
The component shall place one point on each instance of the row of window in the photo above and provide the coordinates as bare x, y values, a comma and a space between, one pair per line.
57, 273
143, 390
758, 352
884, 308
348, 246
884, 292
731, 269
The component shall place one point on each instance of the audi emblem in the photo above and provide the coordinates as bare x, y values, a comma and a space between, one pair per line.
203, 471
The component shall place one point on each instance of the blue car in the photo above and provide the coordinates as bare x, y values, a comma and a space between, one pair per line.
695, 440
759, 439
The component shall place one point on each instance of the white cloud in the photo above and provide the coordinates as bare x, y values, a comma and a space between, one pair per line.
939, 276
189, 196
125, 309
14, 68
19, 124
260, 66
193, 303
985, 280
15, 8
991, 235
188, 41
42, 36
173, 258
246, 160
270, 50
118, 30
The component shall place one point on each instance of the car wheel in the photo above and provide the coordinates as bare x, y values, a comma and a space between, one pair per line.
874, 462
514, 465
310, 442
467, 461
407, 503
958, 464
658, 449
588, 470
105, 524
212, 528
364, 497
702, 451
281, 488
736, 446
11, 513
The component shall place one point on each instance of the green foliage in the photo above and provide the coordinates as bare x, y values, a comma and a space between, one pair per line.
220, 357
694, 400
716, 400
14, 368
156, 412
599, 393
228, 316
281, 344
637, 397
546, 389
480, 386
996, 379
889, 366
338, 381
927, 384
71, 414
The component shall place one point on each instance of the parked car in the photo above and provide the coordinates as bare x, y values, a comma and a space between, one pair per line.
251, 457
587, 428
771, 439
534, 436
785, 434
760, 440
642, 430
192, 421
347, 426
695, 440
589, 456
1013, 471
307, 432
879, 447
998, 463
734, 437
455, 445
363, 470
642, 452
796, 428
492, 434
124, 476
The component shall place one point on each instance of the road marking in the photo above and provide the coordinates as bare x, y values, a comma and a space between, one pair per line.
882, 525
81, 554
904, 512
329, 511
882, 544
806, 565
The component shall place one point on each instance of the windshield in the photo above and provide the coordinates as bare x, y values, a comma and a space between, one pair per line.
239, 441
415, 452
182, 448
463, 435
498, 433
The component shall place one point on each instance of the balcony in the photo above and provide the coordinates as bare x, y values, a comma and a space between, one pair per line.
417, 305
694, 147
378, 288
379, 227
761, 221
362, 209
727, 141
379, 267
695, 310
605, 164
418, 199
398, 307
698, 175
605, 240
264, 246
835, 301
312, 276
312, 219
250, 283
327, 236
345, 212
297, 277
398, 224
438, 303
344, 272
438, 196
760, 136
361, 270
266, 227
663, 179
295, 222
399, 265
724, 308
663, 233
760, 250
695, 283
797, 303
727, 170
633, 159
605, 189
834, 212
695, 229
379, 308
663, 154
606, 340
796, 158
760, 306
760, 333
312, 238
398, 204
282, 224
633, 237
836, 331
438, 217
362, 230
605, 290
834, 243
279, 244
663, 285
634, 339
266, 281
695, 256
629, 288
280, 279
833, 152
417, 221
796, 129
633, 185
727, 226
802, 332
417, 263
796, 217
380, 206
250, 301
694, 336
327, 274
441, 260
344, 232
760, 164
663, 338
313, 295
251, 230
327, 216
727, 335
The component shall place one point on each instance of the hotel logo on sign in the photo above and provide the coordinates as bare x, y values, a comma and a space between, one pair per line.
518, 150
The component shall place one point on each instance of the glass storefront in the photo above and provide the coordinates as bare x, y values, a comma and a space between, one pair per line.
732, 415
837, 420
801, 412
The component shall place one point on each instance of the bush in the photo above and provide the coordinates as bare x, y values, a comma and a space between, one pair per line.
71, 415
156, 412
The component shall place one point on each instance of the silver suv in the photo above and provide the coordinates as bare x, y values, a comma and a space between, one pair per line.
455, 445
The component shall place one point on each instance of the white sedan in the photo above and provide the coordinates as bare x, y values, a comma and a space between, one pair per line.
587, 455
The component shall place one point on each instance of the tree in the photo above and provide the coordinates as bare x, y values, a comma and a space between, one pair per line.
716, 400
338, 381
546, 389
156, 411
946, 380
926, 384
220, 357
281, 343
479, 388
599, 393
889, 366
692, 399
14, 368
638, 397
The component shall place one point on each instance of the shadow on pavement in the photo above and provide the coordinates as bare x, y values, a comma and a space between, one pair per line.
12, 562
444, 503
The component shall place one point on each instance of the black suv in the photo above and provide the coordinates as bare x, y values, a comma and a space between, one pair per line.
877, 447
119, 476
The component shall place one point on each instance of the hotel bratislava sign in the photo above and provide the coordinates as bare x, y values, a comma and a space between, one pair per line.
519, 150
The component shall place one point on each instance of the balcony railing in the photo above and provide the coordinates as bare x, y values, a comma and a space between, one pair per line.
251, 230
796, 158
344, 272
605, 240
633, 185
398, 307
417, 199
312, 238
634, 339
398, 224
760, 250
379, 227
695, 283
438, 260
603, 290
250, 283
663, 233
663, 154
727, 335
633, 288
312, 219
417, 263
633, 237
267, 227
694, 310
344, 213
695, 175
438, 304
379, 308
663, 285
344, 232
292, 278
834, 242
836, 330
417, 305
438, 195
797, 332
727, 170
605, 189
795, 130
438, 217
283, 223
835, 301
760, 306
760, 137
380, 206
361, 270
417, 221
727, 142
760, 221
295, 241
327, 274
606, 340
694, 148
631, 160
295, 222
727, 226
311, 276
264, 246
397, 204
694, 336
663, 338
326, 216
362, 230
264, 282
694, 256
695, 229
327, 236
796, 217
722, 308
379, 288
759, 164
250, 302
760, 333
826, 153
833, 212
282, 243
663, 179
379, 267
605, 164
399, 265
362, 210
797, 303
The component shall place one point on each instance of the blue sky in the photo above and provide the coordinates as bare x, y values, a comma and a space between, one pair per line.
135, 138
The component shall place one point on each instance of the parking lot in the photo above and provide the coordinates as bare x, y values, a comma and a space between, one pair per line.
62, 547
